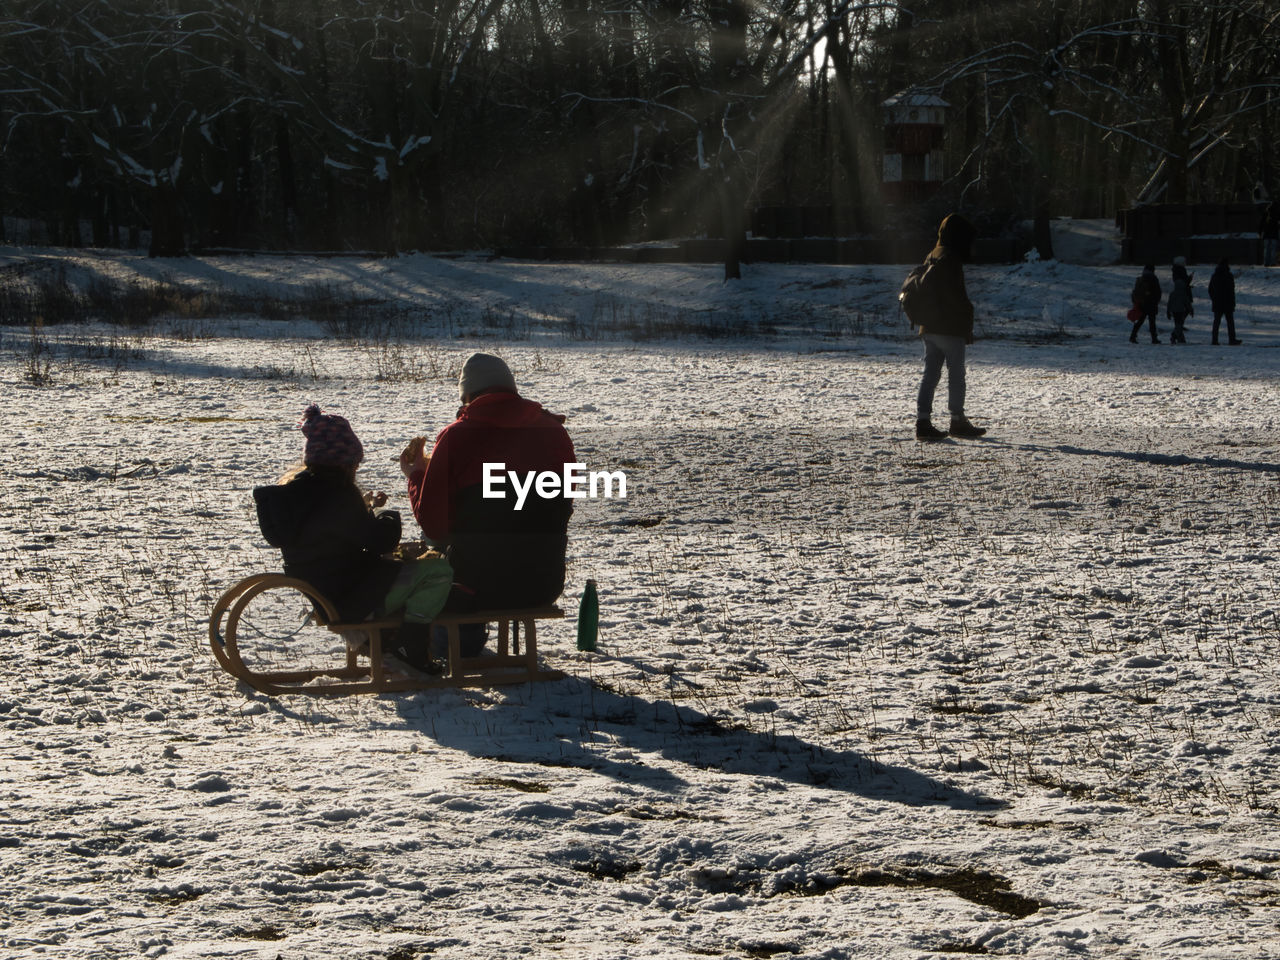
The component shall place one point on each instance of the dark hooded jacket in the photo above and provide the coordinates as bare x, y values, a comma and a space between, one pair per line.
1269, 225
1147, 292
1222, 289
1180, 297
331, 539
944, 280
501, 557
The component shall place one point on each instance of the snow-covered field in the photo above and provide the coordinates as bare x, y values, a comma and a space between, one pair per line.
855, 696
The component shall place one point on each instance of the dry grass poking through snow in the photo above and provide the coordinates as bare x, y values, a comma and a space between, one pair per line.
855, 696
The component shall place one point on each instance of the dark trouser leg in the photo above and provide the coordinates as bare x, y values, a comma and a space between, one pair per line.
472, 635
1151, 322
934, 357
955, 377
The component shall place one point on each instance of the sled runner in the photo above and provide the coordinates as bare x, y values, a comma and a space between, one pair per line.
280, 635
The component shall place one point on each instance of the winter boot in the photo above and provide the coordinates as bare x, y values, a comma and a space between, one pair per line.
471, 640
412, 647
927, 431
961, 427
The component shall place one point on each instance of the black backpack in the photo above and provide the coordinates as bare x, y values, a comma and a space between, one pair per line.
918, 300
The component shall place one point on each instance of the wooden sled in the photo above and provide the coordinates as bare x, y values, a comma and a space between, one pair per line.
364, 670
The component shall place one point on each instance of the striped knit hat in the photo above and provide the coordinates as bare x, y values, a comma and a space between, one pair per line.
330, 440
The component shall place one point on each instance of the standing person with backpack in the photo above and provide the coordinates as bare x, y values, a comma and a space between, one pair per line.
936, 301
1146, 298
1179, 304
1222, 294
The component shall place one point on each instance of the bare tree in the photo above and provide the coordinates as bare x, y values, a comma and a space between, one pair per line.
418, 123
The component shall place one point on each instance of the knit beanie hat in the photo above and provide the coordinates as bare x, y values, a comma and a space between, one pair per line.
483, 371
330, 440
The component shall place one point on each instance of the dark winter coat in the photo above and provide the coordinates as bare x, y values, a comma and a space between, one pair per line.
501, 556
1147, 293
1269, 225
944, 281
1222, 289
331, 539
1180, 296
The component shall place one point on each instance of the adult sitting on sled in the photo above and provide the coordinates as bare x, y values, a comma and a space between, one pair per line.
504, 553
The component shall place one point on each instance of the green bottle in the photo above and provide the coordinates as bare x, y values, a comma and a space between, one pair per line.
588, 617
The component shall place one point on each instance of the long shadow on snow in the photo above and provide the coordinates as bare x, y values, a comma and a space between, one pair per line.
578, 715
1156, 459
157, 361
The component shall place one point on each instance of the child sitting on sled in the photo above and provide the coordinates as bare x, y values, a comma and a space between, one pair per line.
336, 538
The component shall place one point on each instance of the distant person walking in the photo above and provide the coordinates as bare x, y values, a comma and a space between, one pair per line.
1146, 297
1179, 304
1222, 295
1269, 231
947, 329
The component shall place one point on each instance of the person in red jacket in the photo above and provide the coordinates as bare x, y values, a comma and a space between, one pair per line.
505, 551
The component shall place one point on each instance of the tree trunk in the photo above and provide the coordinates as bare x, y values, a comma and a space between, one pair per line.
113, 215
1042, 232
729, 21
288, 183
390, 217
1047, 150
99, 218
584, 150
733, 216
167, 238
900, 51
